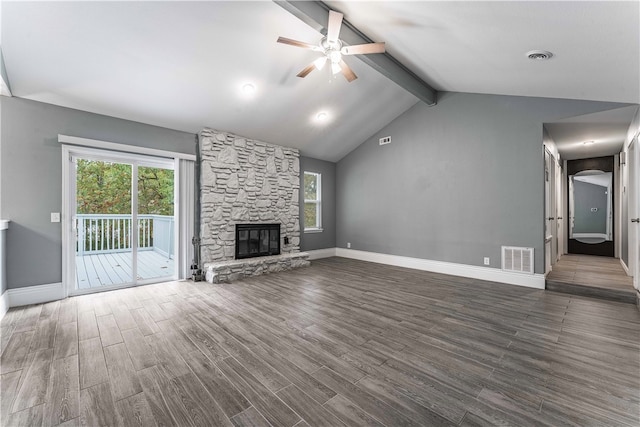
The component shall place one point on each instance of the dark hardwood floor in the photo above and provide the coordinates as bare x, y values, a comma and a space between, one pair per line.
592, 276
342, 342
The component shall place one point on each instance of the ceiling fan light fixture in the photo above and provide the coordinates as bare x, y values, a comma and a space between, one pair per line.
248, 89
332, 48
319, 63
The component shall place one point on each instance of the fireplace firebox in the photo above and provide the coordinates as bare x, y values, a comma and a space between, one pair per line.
254, 240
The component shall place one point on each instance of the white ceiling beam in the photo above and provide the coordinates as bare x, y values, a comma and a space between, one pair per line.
316, 15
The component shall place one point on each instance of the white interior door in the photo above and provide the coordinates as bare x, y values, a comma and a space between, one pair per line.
559, 185
634, 212
550, 245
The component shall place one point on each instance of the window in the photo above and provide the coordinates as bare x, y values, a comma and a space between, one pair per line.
312, 202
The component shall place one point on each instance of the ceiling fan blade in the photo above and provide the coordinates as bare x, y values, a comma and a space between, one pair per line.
309, 68
363, 49
333, 28
347, 72
296, 43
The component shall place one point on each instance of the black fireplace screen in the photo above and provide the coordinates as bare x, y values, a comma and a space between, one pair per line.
253, 240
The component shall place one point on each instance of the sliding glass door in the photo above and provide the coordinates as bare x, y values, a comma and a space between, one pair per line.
124, 223
156, 225
103, 223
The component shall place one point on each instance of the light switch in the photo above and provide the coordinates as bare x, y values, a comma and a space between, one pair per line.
55, 216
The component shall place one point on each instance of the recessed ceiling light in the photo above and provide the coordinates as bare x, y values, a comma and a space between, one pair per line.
539, 55
321, 116
248, 88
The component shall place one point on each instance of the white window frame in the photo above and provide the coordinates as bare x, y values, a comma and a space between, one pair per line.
317, 201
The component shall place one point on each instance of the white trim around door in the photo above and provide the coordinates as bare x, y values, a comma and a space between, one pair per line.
68, 211
116, 147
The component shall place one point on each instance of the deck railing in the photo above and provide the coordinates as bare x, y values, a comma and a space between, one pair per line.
103, 233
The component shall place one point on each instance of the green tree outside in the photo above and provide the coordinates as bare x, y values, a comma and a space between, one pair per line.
105, 188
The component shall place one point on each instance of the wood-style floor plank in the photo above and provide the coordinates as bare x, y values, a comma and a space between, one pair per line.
311, 411
96, 406
62, 402
33, 386
269, 405
363, 399
87, 325
134, 411
93, 369
45, 334
27, 417
109, 331
122, 375
340, 342
66, 340
231, 401
141, 353
351, 414
250, 418
8, 388
166, 405
15, 354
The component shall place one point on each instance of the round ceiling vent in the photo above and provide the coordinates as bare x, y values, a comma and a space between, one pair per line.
539, 55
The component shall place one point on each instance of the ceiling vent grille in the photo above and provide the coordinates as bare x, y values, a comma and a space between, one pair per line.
539, 55
517, 259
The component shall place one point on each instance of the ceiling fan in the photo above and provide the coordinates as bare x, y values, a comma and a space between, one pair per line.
332, 49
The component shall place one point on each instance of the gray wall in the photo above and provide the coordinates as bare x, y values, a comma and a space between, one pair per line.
458, 180
585, 197
327, 238
31, 177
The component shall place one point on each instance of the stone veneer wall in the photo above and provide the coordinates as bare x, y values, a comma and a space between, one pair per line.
246, 181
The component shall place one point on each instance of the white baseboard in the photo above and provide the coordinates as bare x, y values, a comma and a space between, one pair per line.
321, 253
453, 269
4, 304
35, 294
624, 267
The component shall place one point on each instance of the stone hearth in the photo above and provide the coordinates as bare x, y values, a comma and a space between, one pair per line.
230, 271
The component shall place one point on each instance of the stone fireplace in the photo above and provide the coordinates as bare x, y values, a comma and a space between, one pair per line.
244, 181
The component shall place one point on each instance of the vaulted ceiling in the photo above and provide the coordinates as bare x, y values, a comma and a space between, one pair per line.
181, 65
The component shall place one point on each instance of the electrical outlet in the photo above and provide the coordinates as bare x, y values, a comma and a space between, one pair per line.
55, 216
487, 261
348, 245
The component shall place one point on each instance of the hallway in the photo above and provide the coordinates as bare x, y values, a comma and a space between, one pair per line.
587, 275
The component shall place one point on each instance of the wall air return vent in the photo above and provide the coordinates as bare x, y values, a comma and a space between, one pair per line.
386, 140
517, 259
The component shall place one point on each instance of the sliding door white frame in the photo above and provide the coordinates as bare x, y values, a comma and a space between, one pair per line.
164, 159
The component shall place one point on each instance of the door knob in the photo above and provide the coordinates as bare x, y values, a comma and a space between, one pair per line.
635, 220
559, 217
551, 218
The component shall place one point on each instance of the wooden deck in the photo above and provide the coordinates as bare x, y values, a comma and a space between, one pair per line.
97, 270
